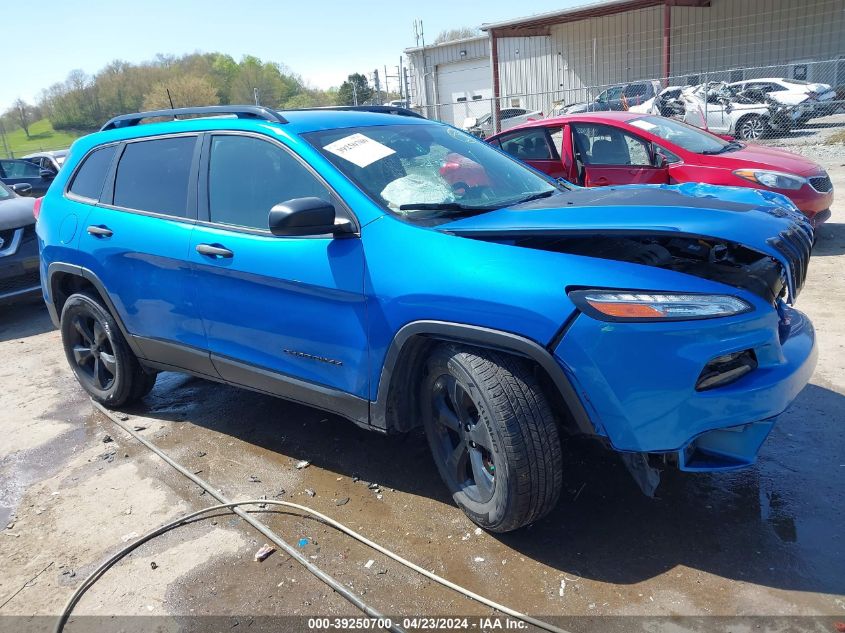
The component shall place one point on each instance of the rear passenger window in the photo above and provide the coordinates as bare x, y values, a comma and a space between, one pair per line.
248, 176
529, 145
153, 176
89, 178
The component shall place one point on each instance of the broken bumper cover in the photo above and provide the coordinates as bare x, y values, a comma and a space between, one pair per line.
637, 381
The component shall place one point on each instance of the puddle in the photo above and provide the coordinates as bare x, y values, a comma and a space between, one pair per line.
23, 468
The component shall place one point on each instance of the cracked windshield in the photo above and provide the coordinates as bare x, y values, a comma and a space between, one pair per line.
426, 171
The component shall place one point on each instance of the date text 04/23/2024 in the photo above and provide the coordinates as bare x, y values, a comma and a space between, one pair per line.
422, 623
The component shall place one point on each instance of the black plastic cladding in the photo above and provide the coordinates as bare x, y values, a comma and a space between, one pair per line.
796, 244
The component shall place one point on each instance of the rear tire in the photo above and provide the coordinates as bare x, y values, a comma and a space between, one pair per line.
492, 435
752, 128
99, 355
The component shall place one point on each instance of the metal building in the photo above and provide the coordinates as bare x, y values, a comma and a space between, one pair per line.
453, 76
571, 55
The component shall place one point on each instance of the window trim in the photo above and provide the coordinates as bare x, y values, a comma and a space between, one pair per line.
191, 201
106, 199
203, 217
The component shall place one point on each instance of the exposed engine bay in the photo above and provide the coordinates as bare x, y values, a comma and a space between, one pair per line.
720, 261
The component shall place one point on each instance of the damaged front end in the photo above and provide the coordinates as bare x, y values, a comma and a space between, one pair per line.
708, 258
696, 393
695, 104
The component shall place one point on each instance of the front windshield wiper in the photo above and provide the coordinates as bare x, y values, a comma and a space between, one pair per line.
729, 147
441, 206
458, 208
533, 196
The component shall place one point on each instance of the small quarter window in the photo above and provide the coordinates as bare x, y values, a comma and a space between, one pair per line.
90, 177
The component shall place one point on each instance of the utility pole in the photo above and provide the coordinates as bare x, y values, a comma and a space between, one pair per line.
378, 86
404, 74
255, 96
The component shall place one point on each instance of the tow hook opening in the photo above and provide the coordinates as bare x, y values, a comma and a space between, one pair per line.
725, 369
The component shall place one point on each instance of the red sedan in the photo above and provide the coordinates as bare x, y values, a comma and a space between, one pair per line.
621, 148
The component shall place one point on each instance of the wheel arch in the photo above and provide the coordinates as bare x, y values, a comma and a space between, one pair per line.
63, 280
396, 407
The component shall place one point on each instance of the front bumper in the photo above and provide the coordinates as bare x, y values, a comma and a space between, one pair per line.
637, 383
19, 277
815, 205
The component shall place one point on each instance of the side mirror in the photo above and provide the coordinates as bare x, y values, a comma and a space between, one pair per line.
22, 188
305, 216
47, 174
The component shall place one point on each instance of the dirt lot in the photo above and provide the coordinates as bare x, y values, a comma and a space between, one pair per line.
764, 542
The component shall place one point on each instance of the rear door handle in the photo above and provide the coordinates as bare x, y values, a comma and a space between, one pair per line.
100, 231
213, 250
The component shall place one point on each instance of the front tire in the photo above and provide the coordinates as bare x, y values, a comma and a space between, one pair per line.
99, 355
492, 435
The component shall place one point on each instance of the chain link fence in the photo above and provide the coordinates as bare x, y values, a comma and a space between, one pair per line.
781, 105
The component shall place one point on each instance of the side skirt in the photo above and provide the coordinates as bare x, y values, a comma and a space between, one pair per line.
166, 356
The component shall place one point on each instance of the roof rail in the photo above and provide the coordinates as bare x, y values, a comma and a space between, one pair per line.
380, 109
240, 111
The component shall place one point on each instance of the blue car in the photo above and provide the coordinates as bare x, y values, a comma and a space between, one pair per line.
336, 259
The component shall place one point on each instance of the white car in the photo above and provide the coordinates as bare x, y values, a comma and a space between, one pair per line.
720, 110
48, 160
482, 126
812, 99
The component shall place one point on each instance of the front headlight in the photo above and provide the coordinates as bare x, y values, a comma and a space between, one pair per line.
632, 305
771, 179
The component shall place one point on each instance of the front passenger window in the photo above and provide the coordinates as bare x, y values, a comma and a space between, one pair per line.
247, 176
605, 145
21, 169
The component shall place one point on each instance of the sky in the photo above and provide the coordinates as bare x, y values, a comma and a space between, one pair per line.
323, 40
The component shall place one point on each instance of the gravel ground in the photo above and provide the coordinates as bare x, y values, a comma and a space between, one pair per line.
763, 542
814, 132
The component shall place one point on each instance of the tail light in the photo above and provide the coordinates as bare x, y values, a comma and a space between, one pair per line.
36, 209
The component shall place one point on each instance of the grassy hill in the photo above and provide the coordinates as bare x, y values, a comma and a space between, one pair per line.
42, 137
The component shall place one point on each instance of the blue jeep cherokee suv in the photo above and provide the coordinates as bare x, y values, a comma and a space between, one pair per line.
323, 256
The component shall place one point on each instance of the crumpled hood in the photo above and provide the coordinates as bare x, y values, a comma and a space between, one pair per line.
16, 212
751, 217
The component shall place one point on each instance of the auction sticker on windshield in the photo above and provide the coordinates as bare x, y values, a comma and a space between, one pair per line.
359, 150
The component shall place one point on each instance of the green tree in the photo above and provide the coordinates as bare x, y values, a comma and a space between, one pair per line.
274, 86
451, 35
83, 102
186, 91
354, 89
24, 114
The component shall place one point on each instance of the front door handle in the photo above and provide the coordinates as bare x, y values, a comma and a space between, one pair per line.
213, 250
100, 231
